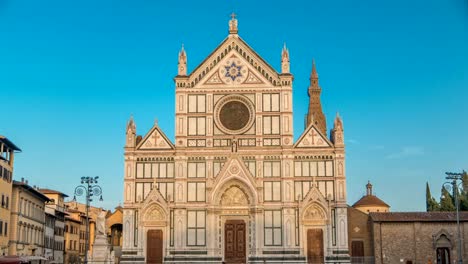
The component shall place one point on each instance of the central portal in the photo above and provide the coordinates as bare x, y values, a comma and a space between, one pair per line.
234, 241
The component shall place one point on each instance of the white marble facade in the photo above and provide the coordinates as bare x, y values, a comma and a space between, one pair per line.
234, 158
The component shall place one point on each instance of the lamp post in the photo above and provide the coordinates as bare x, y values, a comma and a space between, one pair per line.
88, 188
454, 177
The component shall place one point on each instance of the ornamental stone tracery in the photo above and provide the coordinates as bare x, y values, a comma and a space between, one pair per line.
234, 114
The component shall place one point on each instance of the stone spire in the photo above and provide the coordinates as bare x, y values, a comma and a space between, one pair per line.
182, 64
130, 141
337, 133
285, 60
233, 24
369, 188
315, 115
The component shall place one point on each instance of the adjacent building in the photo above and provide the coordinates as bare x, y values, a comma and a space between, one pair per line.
7, 157
72, 237
27, 221
370, 203
114, 231
235, 186
55, 220
419, 237
360, 227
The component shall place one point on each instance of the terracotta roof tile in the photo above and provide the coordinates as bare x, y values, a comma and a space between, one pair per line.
370, 200
418, 217
47, 191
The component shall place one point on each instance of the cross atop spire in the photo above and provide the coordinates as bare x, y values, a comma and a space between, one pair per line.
233, 24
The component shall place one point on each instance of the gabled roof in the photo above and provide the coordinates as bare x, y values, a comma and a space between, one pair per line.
312, 138
233, 44
155, 139
370, 200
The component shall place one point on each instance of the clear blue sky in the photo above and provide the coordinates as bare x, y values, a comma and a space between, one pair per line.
72, 72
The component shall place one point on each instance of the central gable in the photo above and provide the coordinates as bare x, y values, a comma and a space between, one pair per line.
233, 63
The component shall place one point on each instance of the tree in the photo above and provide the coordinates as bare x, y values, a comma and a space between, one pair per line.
431, 203
446, 201
464, 193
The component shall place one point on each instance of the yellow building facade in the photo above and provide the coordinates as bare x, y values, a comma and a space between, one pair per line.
27, 220
72, 237
7, 150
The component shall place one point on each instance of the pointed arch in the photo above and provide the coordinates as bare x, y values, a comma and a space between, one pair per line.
234, 182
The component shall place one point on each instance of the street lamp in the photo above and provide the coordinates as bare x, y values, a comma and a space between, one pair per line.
89, 189
454, 177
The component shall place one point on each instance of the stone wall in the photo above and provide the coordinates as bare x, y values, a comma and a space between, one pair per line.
400, 242
359, 230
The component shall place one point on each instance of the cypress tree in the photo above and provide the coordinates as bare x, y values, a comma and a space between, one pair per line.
431, 203
446, 201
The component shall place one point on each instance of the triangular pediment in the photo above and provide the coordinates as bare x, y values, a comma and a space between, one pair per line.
313, 196
233, 63
234, 167
154, 196
312, 138
155, 139
234, 170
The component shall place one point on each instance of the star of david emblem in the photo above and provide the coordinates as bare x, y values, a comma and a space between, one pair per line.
233, 71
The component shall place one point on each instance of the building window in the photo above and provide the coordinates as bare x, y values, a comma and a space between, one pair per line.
313, 168
273, 232
251, 165
271, 169
1, 227
271, 125
171, 228
166, 189
217, 165
196, 228
142, 190
196, 170
155, 170
196, 126
271, 102
196, 192
272, 191
196, 104
301, 188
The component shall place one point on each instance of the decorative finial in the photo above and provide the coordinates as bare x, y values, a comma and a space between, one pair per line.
233, 24
182, 63
369, 188
285, 60
156, 121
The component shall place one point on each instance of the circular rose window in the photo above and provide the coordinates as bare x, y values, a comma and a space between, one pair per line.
234, 114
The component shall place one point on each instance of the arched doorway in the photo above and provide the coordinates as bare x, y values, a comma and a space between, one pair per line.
234, 227
314, 220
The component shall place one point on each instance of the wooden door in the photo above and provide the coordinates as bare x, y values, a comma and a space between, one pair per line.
315, 246
154, 247
234, 241
443, 256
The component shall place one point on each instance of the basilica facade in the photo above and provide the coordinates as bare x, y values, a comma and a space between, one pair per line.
234, 186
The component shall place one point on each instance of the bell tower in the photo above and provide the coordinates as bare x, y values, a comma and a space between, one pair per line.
315, 114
